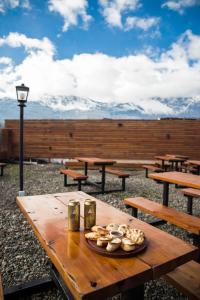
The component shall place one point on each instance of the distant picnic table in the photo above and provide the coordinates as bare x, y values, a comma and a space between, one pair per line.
195, 163
174, 160
179, 178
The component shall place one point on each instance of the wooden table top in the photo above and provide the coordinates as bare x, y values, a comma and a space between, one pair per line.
96, 160
194, 162
179, 156
87, 274
185, 179
169, 158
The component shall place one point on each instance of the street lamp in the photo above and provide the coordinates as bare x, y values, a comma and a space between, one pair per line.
22, 96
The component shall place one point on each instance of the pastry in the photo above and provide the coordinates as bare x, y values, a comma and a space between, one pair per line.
103, 241
123, 228
113, 245
95, 228
127, 245
112, 226
93, 236
100, 230
135, 235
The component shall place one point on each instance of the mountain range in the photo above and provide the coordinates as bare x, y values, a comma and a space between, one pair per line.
72, 107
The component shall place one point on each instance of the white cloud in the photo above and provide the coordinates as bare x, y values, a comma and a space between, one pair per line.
174, 73
15, 40
71, 11
112, 10
11, 4
180, 5
142, 23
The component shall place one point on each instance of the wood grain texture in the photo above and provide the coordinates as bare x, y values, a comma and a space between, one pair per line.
170, 158
191, 192
186, 279
179, 178
5, 143
118, 173
75, 175
194, 162
169, 214
87, 274
96, 161
135, 139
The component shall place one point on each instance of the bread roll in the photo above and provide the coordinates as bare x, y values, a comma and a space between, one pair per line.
113, 245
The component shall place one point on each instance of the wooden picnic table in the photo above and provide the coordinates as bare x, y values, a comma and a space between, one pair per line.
195, 163
97, 162
174, 160
84, 274
179, 178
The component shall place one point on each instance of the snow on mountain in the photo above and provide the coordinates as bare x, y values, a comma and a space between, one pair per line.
72, 107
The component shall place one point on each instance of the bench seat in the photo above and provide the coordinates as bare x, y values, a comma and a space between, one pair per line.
75, 175
169, 214
190, 193
152, 168
119, 174
186, 278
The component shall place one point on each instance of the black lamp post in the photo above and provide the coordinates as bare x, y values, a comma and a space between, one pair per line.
22, 96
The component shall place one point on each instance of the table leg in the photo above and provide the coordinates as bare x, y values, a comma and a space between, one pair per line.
165, 193
1, 174
163, 164
198, 170
60, 284
103, 179
86, 169
136, 293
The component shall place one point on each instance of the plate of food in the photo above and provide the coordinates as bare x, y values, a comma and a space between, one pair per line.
116, 240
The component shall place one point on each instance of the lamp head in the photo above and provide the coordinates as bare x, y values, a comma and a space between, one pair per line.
22, 93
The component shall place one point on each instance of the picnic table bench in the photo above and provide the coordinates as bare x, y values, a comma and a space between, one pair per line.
190, 194
152, 168
2, 166
186, 277
75, 175
119, 174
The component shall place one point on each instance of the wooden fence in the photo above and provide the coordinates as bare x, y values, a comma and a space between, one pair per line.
122, 139
5, 143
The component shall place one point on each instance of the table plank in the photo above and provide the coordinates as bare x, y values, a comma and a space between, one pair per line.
96, 160
185, 179
87, 274
194, 162
158, 253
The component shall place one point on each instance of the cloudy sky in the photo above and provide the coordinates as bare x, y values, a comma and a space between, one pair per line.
107, 50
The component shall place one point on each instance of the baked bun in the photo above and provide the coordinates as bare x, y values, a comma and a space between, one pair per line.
112, 226
93, 236
113, 245
100, 230
123, 228
127, 245
103, 241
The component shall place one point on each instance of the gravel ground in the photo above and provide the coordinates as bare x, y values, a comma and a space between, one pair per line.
19, 247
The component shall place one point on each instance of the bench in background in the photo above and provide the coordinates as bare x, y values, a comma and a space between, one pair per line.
190, 193
152, 169
75, 175
119, 174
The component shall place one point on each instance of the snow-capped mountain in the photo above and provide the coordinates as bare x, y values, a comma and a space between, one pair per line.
72, 107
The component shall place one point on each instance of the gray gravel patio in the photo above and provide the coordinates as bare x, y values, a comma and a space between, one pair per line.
21, 255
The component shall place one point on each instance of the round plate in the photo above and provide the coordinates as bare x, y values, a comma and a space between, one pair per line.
119, 253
